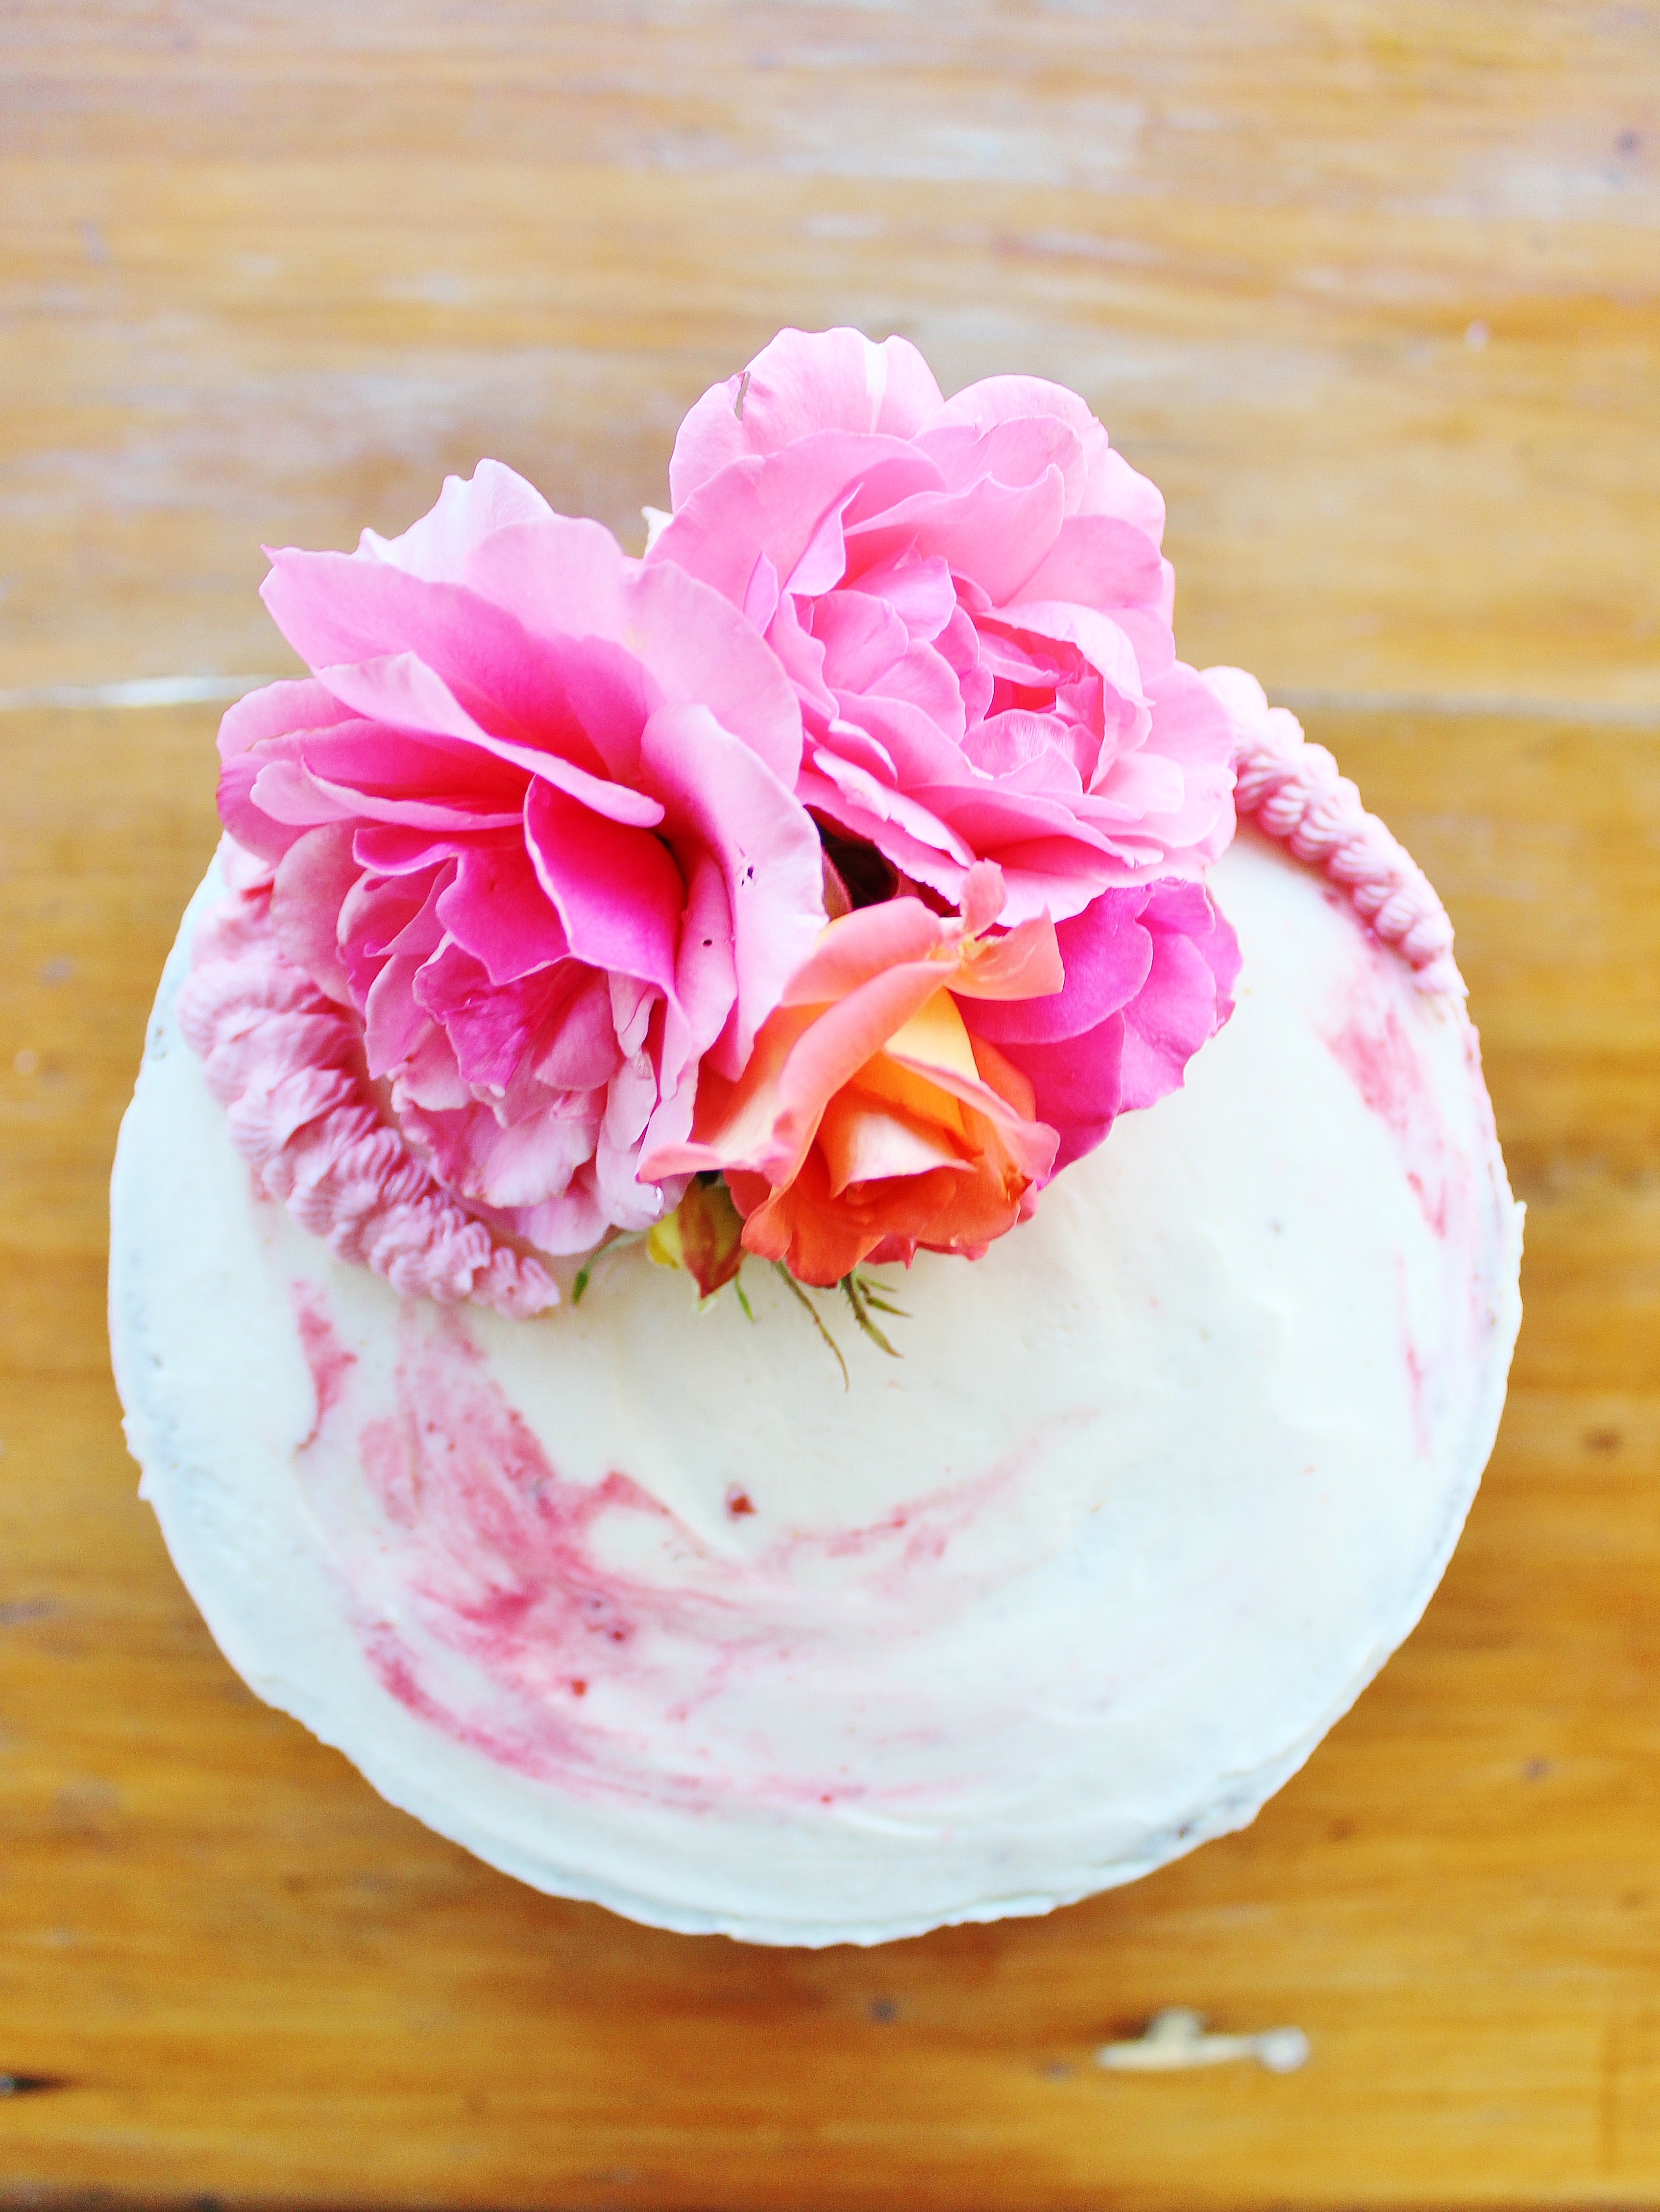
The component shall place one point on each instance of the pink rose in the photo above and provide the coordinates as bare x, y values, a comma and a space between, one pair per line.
1149, 975
534, 823
970, 599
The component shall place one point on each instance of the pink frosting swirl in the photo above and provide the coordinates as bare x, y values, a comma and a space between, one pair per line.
286, 1062
1293, 792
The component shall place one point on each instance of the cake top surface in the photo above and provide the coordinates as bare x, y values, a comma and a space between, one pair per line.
641, 1604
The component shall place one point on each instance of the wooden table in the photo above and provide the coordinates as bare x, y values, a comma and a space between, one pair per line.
1372, 290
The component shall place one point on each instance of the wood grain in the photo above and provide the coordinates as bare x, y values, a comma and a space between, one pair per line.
1372, 290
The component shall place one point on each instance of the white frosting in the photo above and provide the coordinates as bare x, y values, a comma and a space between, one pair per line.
1154, 1490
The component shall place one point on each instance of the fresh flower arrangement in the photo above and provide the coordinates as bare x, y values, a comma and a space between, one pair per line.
817, 888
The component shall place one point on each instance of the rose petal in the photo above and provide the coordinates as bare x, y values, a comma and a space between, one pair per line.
563, 582
312, 878
1106, 955
994, 533
719, 795
799, 383
403, 693
469, 510
478, 666
277, 710
497, 909
616, 889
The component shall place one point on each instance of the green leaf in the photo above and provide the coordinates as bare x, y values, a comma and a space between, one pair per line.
857, 1297
875, 1296
815, 1316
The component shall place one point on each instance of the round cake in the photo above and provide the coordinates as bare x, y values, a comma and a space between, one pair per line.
642, 1605
975, 1588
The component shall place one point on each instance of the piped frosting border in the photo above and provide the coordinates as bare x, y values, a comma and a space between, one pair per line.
1294, 793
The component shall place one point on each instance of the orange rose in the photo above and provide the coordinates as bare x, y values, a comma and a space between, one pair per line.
868, 1120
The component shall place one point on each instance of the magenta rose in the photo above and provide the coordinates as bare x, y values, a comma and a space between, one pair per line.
533, 821
971, 602
1149, 978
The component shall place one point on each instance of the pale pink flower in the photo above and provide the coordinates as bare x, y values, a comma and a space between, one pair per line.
533, 821
970, 601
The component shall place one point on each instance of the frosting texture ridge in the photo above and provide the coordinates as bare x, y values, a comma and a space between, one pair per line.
285, 1060
1294, 793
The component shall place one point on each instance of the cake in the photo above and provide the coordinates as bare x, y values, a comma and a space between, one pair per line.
1106, 1094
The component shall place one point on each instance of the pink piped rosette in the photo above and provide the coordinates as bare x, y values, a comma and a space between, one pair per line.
817, 888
